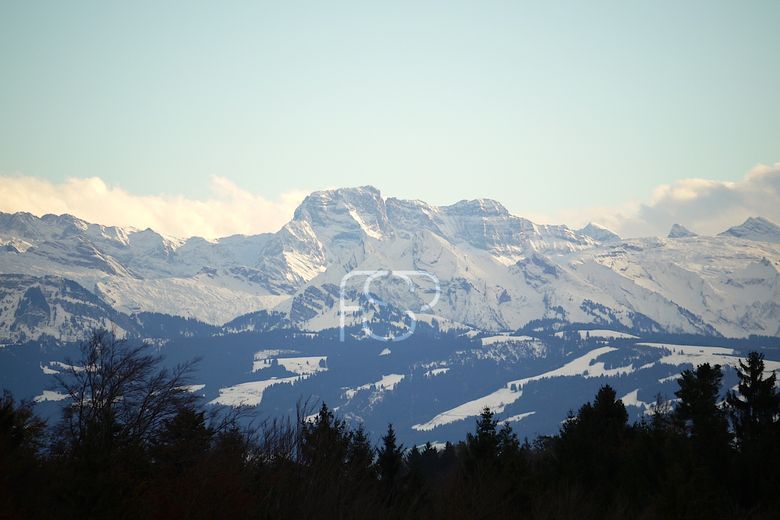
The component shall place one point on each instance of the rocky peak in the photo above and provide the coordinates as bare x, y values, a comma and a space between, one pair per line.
679, 231
755, 228
599, 233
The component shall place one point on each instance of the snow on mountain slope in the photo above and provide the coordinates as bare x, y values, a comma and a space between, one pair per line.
31, 307
597, 364
513, 390
496, 271
500, 272
755, 228
142, 270
599, 233
729, 284
679, 231
385, 384
251, 393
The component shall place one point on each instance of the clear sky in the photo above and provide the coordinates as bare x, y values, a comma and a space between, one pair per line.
545, 106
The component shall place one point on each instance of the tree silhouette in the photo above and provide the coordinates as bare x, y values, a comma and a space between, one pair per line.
389, 459
21, 439
754, 408
118, 395
698, 412
482, 445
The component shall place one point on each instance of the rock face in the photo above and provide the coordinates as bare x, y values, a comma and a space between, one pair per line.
679, 231
495, 270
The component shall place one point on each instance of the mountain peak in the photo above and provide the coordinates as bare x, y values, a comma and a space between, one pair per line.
680, 231
599, 233
483, 207
755, 228
345, 212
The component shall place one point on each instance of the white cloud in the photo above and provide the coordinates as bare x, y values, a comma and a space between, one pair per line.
709, 207
704, 206
228, 210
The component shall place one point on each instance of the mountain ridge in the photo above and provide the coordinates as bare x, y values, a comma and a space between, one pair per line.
497, 271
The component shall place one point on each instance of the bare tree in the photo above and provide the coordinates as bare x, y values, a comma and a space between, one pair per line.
119, 393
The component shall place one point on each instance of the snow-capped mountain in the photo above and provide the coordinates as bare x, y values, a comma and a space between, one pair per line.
495, 271
755, 228
62, 309
599, 233
262, 311
680, 231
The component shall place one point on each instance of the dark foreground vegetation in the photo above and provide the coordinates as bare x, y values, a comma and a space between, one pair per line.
133, 443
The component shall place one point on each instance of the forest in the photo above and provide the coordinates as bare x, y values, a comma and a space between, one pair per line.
133, 442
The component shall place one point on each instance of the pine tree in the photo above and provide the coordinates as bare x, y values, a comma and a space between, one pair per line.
605, 420
755, 408
698, 412
508, 444
360, 454
183, 439
21, 438
325, 441
482, 445
414, 461
590, 441
389, 458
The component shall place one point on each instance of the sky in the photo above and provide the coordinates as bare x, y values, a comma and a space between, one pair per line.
214, 118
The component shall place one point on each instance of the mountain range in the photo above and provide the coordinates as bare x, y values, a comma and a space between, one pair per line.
496, 271
526, 319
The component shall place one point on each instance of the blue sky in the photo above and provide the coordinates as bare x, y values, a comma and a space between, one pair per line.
545, 106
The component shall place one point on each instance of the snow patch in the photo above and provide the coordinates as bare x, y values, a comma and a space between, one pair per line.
601, 334
504, 338
304, 366
49, 395
387, 383
517, 418
585, 366
249, 394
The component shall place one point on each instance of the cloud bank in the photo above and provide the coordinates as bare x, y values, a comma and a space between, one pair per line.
228, 210
708, 207
704, 206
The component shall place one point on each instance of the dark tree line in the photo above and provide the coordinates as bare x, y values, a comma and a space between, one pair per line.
133, 443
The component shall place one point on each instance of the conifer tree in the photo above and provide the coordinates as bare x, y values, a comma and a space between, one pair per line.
325, 441
754, 409
698, 412
482, 445
21, 438
389, 458
360, 454
508, 444
183, 439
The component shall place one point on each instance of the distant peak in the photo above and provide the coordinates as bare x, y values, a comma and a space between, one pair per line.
356, 191
599, 233
485, 207
680, 231
755, 228
758, 221
342, 211
65, 219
